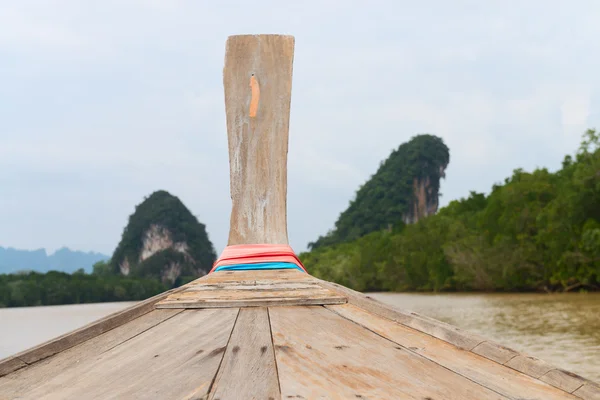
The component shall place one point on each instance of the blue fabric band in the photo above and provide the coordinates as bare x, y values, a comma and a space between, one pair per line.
267, 265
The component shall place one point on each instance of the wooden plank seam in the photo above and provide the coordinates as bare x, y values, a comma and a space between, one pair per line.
519, 361
410, 350
142, 331
248, 364
81, 335
323, 355
273, 345
212, 383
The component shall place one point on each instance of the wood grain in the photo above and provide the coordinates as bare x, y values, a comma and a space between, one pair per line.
589, 391
263, 286
257, 79
10, 364
490, 374
20, 382
208, 297
263, 293
565, 380
529, 365
271, 302
248, 369
495, 352
322, 355
250, 277
451, 334
176, 359
87, 332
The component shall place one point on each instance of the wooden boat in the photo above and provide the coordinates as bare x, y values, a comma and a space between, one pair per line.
273, 333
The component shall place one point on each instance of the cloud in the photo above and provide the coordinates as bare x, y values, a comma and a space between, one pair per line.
103, 103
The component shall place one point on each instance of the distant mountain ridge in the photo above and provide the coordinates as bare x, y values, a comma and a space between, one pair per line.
64, 259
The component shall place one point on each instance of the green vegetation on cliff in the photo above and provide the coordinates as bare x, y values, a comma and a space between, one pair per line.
537, 231
162, 246
392, 194
163, 240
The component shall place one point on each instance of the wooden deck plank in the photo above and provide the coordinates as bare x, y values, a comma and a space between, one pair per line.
495, 352
264, 286
589, 391
565, 380
11, 364
248, 369
273, 302
26, 379
319, 354
490, 374
438, 329
176, 359
257, 293
240, 294
523, 363
86, 332
249, 277
529, 365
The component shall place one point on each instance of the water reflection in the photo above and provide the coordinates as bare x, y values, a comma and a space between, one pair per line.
562, 329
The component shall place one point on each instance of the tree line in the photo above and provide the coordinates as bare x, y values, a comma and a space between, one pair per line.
537, 231
55, 288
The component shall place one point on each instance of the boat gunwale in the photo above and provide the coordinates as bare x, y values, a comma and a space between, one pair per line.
80, 335
552, 375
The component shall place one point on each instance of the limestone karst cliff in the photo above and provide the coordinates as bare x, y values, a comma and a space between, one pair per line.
164, 240
425, 199
404, 189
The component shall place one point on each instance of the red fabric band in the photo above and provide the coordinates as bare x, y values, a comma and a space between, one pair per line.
257, 253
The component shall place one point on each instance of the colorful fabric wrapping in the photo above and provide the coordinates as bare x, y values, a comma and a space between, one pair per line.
246, 267
257, 256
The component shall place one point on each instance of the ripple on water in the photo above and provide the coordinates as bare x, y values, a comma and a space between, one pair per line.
562, 329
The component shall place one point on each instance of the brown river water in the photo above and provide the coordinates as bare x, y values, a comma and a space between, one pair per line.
562, 329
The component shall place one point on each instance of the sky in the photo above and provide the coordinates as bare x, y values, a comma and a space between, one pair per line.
102, 103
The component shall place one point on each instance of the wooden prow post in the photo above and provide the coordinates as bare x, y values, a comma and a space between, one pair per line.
257, 78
